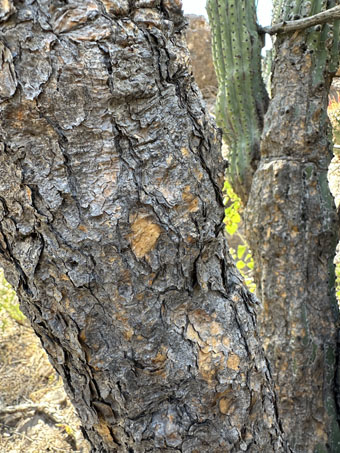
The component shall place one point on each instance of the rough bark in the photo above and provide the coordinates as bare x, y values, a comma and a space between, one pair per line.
292, 228
111, 230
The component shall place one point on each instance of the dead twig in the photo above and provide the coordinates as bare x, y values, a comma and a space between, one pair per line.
330, 15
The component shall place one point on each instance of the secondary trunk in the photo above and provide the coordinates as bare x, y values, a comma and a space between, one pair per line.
290, 214
292, 229
111, 230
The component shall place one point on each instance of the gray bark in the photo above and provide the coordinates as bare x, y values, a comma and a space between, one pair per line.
293, 229
111, 230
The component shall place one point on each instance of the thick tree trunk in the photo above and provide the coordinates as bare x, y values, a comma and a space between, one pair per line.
292, 228
111, 230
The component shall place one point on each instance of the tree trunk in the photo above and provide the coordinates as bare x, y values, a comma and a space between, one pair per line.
290, 215
292, 227
111, 230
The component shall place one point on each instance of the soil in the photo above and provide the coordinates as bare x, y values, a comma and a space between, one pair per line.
35, 414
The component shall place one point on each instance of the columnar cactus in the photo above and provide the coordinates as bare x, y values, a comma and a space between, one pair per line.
242, 98
278, 6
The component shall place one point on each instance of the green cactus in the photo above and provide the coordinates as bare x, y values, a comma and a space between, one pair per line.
242, 98
278, 6
322, 41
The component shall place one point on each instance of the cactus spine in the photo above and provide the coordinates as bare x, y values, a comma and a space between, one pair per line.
242, 98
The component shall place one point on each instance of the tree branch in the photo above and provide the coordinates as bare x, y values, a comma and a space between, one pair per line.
330, 15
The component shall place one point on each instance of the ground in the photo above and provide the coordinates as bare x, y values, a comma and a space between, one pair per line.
35, 413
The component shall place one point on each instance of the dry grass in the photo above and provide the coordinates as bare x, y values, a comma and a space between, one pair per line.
35, 413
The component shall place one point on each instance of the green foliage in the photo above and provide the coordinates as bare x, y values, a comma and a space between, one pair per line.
67, 428
242, 256
242, 98
232, 211
9, 303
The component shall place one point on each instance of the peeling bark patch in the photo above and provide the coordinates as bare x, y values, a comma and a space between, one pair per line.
6, 9
148, 17
8, 80
185, 152
104, 432
172, 5
116, 7
27, 252
32, 71
192, 335
225, 405
207, 334
190, 200
233, 362
144, 236
74, 17
209, 363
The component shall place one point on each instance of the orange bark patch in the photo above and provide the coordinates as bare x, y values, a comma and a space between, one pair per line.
160, 357
208, 364
205, 366
169, 159
226, 342
198, 174
192, 335
114, 7
20, 115
29, 194
144, 236
171, 4
128, 334
82, 336
215, 328
233, 361
225, 405
5, 4
83, 228
207, 334
104, 432
199, 316
25, 111
190, 200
